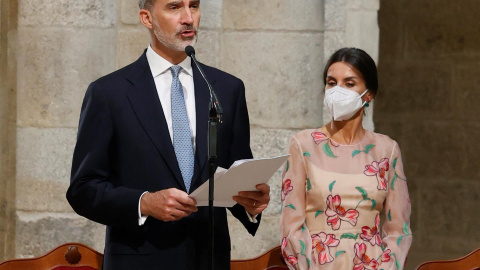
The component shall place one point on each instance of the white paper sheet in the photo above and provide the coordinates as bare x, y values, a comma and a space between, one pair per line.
243, 175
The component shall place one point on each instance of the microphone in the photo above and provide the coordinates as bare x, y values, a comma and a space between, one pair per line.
190, 51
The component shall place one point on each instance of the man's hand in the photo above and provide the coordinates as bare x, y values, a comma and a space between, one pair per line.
168, 204
254, 201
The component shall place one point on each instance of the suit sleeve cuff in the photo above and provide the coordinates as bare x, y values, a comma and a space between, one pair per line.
141, 218
252, 219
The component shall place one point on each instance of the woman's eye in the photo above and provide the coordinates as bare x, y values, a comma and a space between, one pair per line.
350, 85
332, 83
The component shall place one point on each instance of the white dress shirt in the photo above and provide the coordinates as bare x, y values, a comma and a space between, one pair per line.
162, 76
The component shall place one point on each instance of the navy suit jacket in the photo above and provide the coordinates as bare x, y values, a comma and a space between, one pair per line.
124, 148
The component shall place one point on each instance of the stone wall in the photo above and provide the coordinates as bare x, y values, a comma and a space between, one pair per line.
278, 47
429, 101
8, 20
63, 45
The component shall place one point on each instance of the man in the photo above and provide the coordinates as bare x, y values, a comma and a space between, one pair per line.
142, 148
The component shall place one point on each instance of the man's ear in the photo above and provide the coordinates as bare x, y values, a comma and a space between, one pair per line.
146, 18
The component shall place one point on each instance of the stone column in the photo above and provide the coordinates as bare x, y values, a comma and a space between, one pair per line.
279, 49
132, 37
8, 21
352, 23
63, 45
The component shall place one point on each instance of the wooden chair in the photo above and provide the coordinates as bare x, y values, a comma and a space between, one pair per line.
270, 260
69, 256
469, 262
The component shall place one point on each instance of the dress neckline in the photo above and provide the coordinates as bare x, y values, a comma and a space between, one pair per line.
340, 144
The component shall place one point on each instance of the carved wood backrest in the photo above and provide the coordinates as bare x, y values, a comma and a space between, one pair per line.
69, 256
469, 262
270, 260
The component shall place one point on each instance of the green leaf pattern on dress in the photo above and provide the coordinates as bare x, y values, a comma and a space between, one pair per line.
328, 150
291, 206
365, 197
366, 150
395, 176
406, 233
363, 192
302, 252
330, 187
349, 236
355, 152
338, 253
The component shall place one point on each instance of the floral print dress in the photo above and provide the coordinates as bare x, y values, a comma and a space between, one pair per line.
332, 199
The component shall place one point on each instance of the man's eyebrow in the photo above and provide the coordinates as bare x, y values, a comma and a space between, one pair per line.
173, 3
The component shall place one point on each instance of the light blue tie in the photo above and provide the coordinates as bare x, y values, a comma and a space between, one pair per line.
182, 139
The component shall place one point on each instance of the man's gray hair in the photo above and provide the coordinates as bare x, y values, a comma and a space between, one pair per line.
145, 4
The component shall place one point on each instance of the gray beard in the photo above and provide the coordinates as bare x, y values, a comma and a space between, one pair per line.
173, 42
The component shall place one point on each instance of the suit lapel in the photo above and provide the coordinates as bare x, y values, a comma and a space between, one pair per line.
202, 99
145, 102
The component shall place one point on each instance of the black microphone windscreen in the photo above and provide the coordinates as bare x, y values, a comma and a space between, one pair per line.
189, 50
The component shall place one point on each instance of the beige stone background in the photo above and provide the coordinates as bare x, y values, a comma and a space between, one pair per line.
429, 101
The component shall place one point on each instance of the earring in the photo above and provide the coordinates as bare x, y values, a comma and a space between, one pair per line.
367, 103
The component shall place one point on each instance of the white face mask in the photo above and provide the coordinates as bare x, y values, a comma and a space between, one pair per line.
343, 103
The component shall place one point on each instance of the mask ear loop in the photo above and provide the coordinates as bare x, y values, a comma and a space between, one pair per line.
365, 102
331, 122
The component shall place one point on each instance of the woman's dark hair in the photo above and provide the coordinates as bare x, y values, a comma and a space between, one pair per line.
361, 61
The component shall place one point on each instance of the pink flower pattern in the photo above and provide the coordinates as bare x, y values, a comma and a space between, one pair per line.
379, 170
385, 256
292, 260
321, 243
362, 261
286, 188
336, 213
361, 244
319, 137
372, 235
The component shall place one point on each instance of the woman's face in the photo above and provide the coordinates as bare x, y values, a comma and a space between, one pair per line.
344, 75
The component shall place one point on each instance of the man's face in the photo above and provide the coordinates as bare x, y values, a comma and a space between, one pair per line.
175, 22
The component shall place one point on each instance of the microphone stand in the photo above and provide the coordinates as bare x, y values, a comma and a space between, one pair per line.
212, 158
215, 117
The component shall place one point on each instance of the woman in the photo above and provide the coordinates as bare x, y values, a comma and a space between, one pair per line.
340, 177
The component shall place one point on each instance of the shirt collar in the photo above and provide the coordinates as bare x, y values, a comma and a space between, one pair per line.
159, 65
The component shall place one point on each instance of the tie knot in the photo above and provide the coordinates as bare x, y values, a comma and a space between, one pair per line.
175, 70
